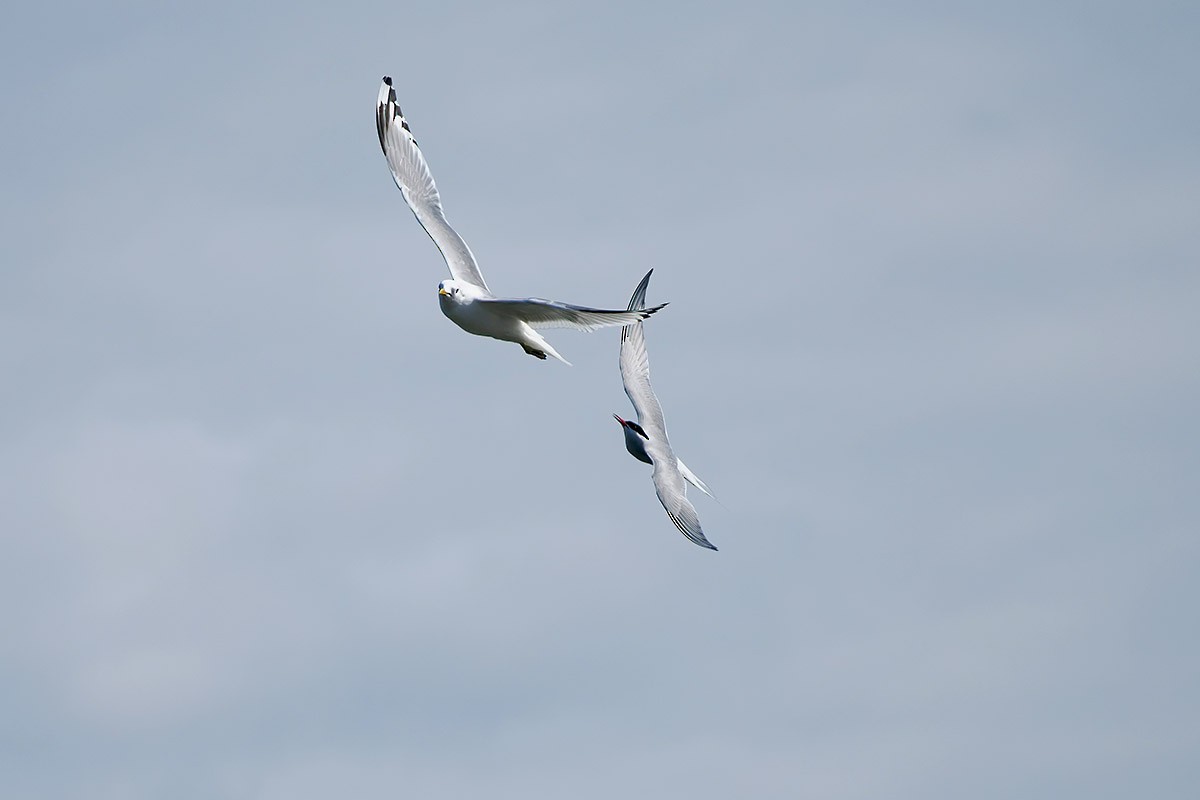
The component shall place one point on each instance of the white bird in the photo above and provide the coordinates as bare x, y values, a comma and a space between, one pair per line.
646, 440
465, 299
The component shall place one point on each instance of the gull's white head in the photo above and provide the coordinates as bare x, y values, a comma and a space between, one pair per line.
457, 291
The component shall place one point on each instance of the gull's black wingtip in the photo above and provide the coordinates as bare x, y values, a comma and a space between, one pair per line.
654, 310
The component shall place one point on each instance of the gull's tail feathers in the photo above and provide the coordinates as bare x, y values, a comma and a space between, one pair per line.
536, 341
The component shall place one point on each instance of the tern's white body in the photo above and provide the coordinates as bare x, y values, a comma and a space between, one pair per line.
466, 300
646, 440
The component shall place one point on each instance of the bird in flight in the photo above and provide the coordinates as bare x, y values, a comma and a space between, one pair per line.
646, 440
465, 298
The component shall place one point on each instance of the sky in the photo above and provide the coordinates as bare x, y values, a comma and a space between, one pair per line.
272, 527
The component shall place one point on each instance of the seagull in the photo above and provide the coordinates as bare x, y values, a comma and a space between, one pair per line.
646, 439
465, 298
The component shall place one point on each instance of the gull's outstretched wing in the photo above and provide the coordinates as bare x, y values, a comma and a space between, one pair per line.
635, 369
539, 313
668, 483
416, 184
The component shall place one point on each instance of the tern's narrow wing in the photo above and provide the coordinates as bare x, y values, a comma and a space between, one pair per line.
668, 483
635, 369
539, 313
416, 184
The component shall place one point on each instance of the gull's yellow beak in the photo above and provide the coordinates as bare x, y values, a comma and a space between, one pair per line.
443, 291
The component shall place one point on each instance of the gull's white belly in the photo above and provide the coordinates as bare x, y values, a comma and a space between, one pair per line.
477, 318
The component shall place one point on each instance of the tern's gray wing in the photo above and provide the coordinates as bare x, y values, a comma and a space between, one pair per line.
539, 313
416, 184
635, 369
668, 483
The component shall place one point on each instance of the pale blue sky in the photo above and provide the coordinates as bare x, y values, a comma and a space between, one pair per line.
274, 528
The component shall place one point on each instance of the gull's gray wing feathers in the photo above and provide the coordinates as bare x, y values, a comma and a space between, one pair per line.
539, 313
668, 483
635, 369
412, 175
